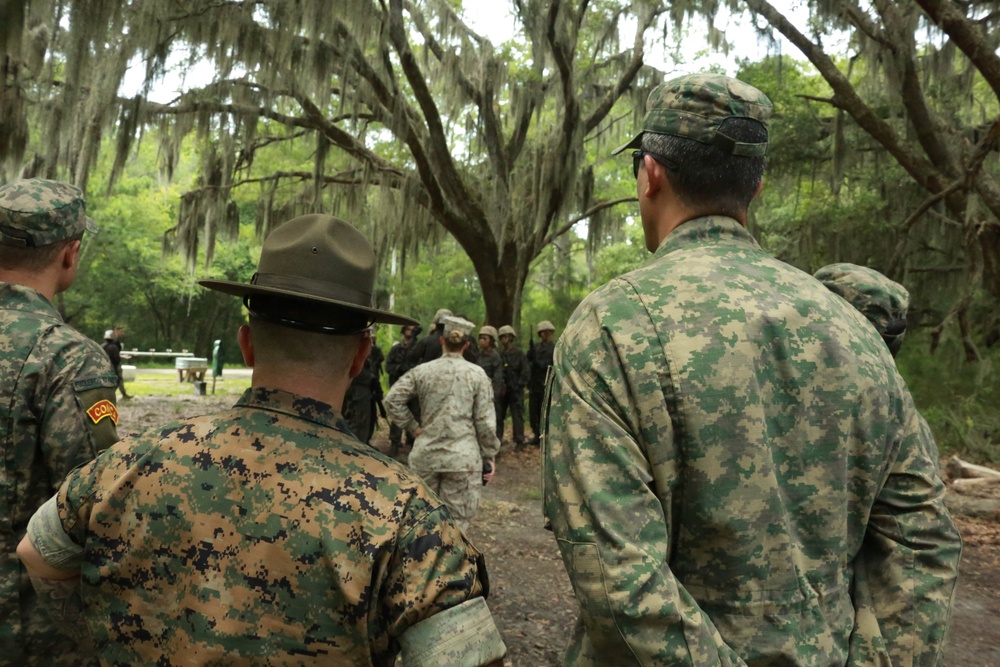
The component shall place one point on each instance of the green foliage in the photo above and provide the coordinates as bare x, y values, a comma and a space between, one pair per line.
958, 399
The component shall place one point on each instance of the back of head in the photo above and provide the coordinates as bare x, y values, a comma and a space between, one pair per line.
882, 301
711, 132
37, 218
456, 332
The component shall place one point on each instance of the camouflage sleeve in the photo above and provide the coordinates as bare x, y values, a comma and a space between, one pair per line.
485, 419
395, 402
433, 569
613, 530
80, 418
908, 564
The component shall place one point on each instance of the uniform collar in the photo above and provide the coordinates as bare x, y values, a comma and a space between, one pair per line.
24, 298
714, 229
301, 407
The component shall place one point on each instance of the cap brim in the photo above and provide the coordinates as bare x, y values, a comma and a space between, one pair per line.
90, 225
243, 289
635, 143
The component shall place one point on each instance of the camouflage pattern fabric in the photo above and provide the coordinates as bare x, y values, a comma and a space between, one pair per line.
37, 212
457, 414
882, 301
492, 364
696, 106
265, 534
736, 473
50, 376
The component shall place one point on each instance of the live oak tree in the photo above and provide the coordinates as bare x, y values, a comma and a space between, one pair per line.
929, 98
415, 123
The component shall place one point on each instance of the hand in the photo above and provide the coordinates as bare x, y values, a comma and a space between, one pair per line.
488, 476
417, 432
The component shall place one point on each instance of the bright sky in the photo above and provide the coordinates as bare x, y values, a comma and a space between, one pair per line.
494, 20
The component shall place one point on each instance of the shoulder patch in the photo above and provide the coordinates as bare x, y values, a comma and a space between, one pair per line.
101, 409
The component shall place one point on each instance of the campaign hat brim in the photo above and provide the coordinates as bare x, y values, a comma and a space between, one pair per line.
244, 290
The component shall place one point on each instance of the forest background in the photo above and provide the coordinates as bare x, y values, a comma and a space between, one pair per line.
482, 171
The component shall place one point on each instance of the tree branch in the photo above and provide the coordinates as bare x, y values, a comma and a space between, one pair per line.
967, 37
599, 206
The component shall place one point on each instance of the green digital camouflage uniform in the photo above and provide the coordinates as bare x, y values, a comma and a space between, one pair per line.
883, 302
267, 535
736, 473
457, 419
50, 377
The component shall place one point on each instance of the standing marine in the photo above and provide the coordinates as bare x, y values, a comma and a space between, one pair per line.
539, 360
515, 378
733, 468
267, 533
57, 396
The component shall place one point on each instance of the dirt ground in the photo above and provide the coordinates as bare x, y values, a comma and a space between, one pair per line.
531, 597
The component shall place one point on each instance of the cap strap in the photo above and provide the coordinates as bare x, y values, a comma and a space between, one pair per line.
734, 147
18, 237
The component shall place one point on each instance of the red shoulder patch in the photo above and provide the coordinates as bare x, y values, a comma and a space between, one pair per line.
102, 409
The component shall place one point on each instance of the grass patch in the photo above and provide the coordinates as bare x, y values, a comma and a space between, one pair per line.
165, 384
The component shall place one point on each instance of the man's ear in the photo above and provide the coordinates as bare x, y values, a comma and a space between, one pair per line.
364, 349
655, 175
70, 255
245, 338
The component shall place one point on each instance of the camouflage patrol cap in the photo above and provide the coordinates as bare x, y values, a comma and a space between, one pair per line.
491, 332
545, 325
456, 329
696, 106
883, 301
507, 330
36, 212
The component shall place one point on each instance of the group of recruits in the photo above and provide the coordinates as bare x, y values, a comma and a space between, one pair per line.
733, 469
510, 370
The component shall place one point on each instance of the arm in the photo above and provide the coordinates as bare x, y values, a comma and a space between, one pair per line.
484, 419
80, 417
53, 561
436, 601
909, 560
395, 403
605, 497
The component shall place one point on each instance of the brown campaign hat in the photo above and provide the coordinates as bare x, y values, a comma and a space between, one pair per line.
319, 259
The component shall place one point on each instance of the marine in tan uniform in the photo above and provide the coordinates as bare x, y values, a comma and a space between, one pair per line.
454, 438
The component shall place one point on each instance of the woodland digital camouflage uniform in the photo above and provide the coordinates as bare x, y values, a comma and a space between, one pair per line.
50, 377
210, 538
883, 302
457, 418
736, 473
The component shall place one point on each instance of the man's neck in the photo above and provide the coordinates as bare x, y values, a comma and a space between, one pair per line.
43, 283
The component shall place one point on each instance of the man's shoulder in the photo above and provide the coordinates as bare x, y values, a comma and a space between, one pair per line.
70, 350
